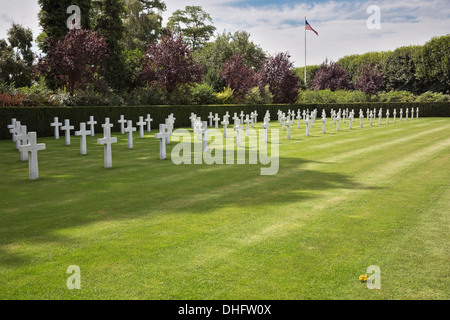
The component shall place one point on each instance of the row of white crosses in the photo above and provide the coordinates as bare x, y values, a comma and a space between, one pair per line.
26, 143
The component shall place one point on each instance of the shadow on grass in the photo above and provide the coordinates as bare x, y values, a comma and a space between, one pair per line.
140, 185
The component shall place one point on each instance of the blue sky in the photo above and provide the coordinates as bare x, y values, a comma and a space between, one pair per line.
278, 26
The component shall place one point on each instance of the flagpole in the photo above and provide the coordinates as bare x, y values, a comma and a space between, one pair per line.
305, 53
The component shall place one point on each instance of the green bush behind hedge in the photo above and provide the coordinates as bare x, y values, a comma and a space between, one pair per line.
39, 118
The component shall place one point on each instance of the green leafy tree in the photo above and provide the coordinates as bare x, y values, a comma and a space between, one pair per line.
399, 70
142, 23
433, 65
16, 58
192, 22
214, 54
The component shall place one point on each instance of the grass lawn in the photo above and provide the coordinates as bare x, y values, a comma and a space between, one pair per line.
150, 229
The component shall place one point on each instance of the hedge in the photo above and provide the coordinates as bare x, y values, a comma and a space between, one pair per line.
39, 118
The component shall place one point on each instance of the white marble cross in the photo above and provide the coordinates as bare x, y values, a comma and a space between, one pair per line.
380, 115
361, 118
387, 116
225, 123
299, 117
350, 118
122, 122
417, 113
255, 114
205, 136
141, 124
238, 128
283, 121
130, 129
107, 140
193, 118
324, 121
67, 127
162, 136
338, 121
12, 126
242, 117
198, 128
412, 113
15, 132
368, 111
247, 124
288, 124
22, 138
308, 123
235, 118
92, 124
82, 134
401, 114
216, 121
371, 118
210, 117
266, 126
252, 118
32, 149
56, 124
395, 115
149, 123
407, 111
168, 124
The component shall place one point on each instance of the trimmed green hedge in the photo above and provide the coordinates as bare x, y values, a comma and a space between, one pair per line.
39, 118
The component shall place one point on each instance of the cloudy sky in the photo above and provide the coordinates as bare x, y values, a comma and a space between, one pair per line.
278, 26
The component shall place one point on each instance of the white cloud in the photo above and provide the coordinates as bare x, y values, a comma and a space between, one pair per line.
341, 25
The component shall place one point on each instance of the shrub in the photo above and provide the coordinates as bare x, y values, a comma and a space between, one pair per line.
226, 96
430, 96
10, 100
203, 94
255, 96
396, 96
88, 98
37, 94
313, 96
149, 95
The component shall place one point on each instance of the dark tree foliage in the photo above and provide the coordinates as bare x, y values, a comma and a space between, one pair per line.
108, 22
330, 76
399, 70
53, 16
434, 64
370, 81
169, 63
238, 76
76, 60
277, 71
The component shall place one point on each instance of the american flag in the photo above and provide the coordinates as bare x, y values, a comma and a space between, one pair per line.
308, 27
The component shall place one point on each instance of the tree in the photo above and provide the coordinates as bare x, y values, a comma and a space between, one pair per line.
277, 71
53, 17
399, 70
330, 76
370, 80
238, 76
214, 54
16, 59
192, 23
142, 23
434, 64
75, 60
169, 63
108, 22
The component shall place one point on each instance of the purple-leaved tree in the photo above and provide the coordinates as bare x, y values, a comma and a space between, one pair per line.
75, 60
